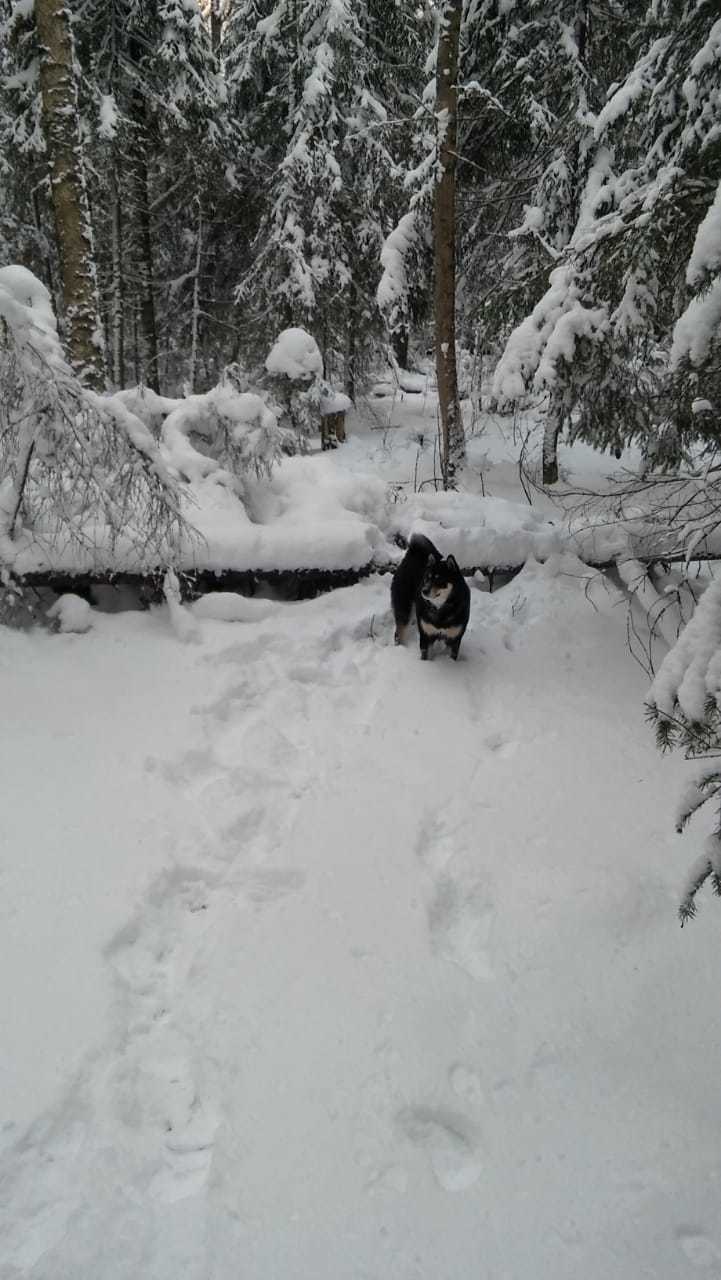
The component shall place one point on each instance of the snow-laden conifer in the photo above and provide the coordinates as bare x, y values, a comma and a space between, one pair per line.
685, 703
639, 271
320, 90
80, 472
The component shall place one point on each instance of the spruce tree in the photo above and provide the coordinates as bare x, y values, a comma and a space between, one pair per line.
613, 335
320, 89
154, 107
684, 703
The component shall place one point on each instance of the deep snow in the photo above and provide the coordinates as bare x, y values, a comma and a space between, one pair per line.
322, 962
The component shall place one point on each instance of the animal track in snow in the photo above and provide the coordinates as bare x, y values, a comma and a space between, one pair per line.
436, 844
699, 1249
460, 921
449, 1142
268, 884
391, 1178
189, 1126
459, 909
500, 746
42, 1194
466, 1084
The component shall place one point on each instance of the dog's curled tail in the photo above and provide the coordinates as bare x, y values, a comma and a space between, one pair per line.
419, 542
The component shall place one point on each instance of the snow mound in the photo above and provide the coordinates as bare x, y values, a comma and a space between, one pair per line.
479, 531
182, 621
229, 606
333, 402
240, 431
72, 613
296, 355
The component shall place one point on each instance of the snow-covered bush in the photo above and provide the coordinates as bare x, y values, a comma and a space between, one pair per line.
294, 367
295, 370
225, 433
76, 469
22, 607
295, 355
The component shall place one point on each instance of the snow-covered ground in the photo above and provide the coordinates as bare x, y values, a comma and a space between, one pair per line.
320, 963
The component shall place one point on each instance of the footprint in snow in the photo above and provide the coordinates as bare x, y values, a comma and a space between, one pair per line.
460, 922
268, 884
449, 1142
466, 1084
500, 746
700, 1250
436, 844
187, 1124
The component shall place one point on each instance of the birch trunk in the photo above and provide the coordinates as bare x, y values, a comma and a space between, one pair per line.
444, 240
59, 93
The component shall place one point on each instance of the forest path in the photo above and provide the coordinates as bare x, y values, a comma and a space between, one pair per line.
405, 981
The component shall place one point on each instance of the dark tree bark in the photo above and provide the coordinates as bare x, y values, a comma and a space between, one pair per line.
42, 245
195, 320
551, 432
444, 240
216, 25
117, 308
399, 342
59, 91
142, 239
555, 412
349, 364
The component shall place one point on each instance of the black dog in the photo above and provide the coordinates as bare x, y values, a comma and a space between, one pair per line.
439, 592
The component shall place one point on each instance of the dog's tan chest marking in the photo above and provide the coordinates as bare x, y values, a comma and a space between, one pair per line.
449, 633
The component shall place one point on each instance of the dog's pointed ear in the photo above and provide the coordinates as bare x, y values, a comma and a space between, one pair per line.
432, 560
452, 563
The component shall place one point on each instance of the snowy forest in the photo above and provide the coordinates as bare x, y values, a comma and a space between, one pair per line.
322, 962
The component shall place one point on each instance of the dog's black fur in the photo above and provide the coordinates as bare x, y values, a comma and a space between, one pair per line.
439, 592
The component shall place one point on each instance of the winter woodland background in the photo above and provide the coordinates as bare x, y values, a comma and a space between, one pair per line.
191, 181
486, 235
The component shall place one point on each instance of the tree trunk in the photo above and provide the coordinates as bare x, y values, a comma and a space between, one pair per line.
216, 26
42, 246
399, 341
294, 69
59, 90
444, 240
349, 371
192, 372
147, 332
551, 432
117, 317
